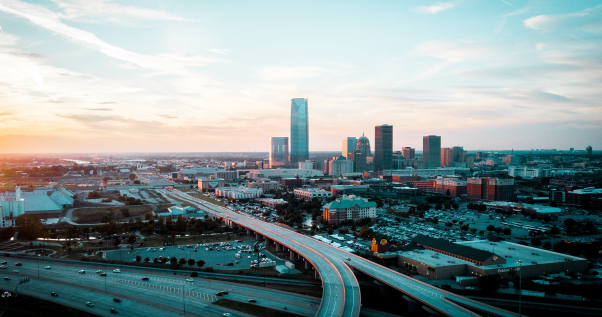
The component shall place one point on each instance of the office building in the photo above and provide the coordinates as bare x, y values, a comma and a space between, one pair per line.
383, 151
589, 150
307, 165
238, 193
299, 131
453, 186
359, 162
408, 153
349, 145
278, 151
340, 166
458, 154
308, 194
490, 189
446, 157
363, 145
431, 151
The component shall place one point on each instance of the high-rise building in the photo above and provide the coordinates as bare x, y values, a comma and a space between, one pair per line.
359, 162
589, 150
431, 151
363, 145
458, 154
299, 131
340, 166
349, 145
278, 151
490, 189
408, 153
383, 149
446, 157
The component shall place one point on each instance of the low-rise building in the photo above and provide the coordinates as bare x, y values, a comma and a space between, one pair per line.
308, 194
349, 208
238, 193
265, 185
210, 184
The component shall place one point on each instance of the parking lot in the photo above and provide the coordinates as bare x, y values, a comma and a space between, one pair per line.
215, 258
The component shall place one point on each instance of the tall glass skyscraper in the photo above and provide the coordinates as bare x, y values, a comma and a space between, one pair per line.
299, 131
383, 149
349, 144
431, 151
363, 145
278, 151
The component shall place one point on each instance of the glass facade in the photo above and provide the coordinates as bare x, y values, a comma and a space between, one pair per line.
348, 146
431, 151
278, 151
363, 145
299, 131
383, 149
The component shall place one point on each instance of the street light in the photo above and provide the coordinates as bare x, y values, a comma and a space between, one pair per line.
520, 292
183, 301
6, 295
38, 260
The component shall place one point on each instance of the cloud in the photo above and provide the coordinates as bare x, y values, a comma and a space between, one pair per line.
99, 109
7, 39
287, 73
167, 63
452, 51
589, 20
106, 102
90, 11
436, 8
166, 116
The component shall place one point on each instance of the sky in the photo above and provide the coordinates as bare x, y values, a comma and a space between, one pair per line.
201, 76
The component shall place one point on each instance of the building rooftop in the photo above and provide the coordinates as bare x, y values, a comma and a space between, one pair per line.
455, 248
433, 258
349, 202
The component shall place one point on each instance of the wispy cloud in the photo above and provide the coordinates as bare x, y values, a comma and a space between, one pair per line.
286, 73
220, 50
588, 19
436, 8
106, 10
98, 109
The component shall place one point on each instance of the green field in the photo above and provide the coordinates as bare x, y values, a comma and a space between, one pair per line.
94, 215
201, 196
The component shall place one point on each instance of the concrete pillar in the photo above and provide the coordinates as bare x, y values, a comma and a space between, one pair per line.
307, 265
385, 290
278, 247
316, 274
257, 236
248, 232
413, 305
432, 312
292, 254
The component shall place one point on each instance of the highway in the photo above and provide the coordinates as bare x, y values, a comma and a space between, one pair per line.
161, 295
341, 295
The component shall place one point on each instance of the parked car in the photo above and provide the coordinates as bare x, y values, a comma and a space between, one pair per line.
145, 278
89, 304
18, 264
114, 311
7, 278
53, 294
117, 300
252, 301
82, 272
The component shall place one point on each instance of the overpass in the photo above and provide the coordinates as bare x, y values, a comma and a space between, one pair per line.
341, 296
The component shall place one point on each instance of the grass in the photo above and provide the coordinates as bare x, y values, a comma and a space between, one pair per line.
94, 215
28, 306
201, 196
253, 309
158, 240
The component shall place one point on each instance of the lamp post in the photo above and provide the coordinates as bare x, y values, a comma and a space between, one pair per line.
38, 260
6, 295
183, 300
520, 282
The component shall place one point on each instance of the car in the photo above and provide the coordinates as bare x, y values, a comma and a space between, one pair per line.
114, 311
3, 267
117, 300
48, 267
252, 301
82, 272
227, 315
3, 262
18, 264
16, 271
190, 280
348, 259
103, 274
99, 271
53, 294
7, 278
89, 304
145, 278
116, 271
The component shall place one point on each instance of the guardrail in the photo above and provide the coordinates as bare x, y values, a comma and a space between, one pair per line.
221, 276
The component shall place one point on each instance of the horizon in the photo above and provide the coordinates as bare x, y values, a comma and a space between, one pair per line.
163, 77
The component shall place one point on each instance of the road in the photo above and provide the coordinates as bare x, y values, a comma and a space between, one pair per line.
161, 295
341, 295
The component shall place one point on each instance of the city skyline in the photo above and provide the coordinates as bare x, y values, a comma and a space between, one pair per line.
147, 77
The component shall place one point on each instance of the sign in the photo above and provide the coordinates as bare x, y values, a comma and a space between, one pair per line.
508, 270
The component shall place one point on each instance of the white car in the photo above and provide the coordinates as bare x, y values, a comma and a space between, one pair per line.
48, 267
190, 280
116, 271
81, 272
227, 315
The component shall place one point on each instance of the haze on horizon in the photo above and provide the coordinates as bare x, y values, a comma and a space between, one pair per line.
198, 76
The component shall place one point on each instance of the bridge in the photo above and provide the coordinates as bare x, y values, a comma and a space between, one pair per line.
337, 268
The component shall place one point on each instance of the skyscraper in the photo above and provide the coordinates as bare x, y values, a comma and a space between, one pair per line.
446, 157
363, 145
431, 151
278, 151
299, 131
349, 145
408, 153
383, 150
588, 150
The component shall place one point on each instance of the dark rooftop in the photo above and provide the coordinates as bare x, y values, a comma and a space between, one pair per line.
454, 248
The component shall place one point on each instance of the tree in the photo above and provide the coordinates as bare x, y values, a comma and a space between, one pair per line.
182, 261
200, 263
498, 229
132, 176
117, 242
482, 208
438, 206
131, 239
507, 231
448, 224
138, 258
554, 230
536, 242
560, 247
490, 228
146, 259
155, 260
553, 204
330, 231
366, 233
455, 206
117, 216
547, 218
532, 216
94, 195
547, 245
125, 212
530, 200
464, 227
173, 260
191, 262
